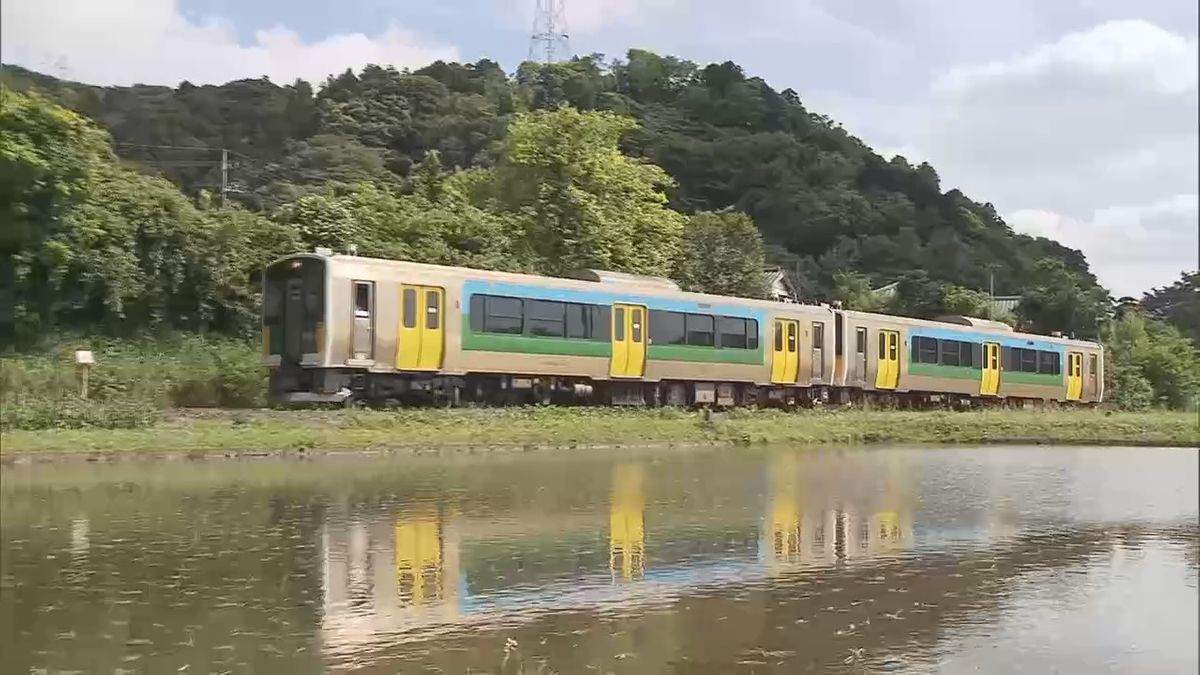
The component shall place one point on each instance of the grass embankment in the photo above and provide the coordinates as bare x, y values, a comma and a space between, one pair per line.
428, 430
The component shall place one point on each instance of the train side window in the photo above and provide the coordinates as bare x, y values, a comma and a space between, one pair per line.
977, 355
700, 330
949, 352
408, 309
1093, 364
883, 346
1010, 361
751, 333
1046, 362
860, 340
818, 341
503, 315
545, 318
619, 325
732, 332
667, 328
577, 321
839, 338
778, 336
635, 322
1028, 361
928, 348
964, 354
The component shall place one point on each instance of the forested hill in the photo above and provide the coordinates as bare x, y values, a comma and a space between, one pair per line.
825, 203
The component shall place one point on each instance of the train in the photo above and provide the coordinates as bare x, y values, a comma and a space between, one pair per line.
345, 329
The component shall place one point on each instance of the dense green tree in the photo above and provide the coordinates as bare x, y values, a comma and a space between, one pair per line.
579, 201
721, 253
967, 302
1057, 299
1178, 305
853, 291
1149, 362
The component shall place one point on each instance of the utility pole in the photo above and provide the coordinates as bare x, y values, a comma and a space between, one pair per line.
549, 41
224, 175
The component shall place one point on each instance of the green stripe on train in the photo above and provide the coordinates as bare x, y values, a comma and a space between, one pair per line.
530, 344
964, 373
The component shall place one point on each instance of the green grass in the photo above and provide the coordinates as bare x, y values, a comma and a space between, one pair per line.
429, 430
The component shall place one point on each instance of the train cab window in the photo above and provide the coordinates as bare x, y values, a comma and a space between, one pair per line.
700, 330
408, 309
860, 340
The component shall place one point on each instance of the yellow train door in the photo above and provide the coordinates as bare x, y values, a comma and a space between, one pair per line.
887, 372
989, 385
785, 354
628, 341
1074, 375
421, 337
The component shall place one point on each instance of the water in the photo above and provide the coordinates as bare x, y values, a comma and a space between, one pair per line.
946, 560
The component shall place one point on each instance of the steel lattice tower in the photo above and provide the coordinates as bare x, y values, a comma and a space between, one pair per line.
549, 41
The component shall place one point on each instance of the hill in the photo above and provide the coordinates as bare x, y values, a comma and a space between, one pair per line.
827, 206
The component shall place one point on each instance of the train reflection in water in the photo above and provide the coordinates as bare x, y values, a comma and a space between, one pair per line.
402, 575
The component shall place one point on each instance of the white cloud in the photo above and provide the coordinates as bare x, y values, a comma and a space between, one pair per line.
152, 42
1137, 247
1068, 135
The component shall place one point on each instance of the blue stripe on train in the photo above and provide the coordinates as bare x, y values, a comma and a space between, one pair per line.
1000, 338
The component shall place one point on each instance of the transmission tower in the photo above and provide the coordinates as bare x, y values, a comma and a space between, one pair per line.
549, 41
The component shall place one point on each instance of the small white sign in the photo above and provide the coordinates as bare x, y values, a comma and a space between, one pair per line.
83, 357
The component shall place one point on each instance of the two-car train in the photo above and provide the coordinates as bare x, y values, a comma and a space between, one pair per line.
340, 328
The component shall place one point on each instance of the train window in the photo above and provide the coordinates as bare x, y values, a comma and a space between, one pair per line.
733, 332
791, 337
667, 328
362, 299
839, 338
433, 314
545, 318
883, 346
949, 352
502, 315
601, 328
964, 354
928, 349
976, 356
1046, 362
635, 321
1093, 364
751, 333
700, 330
860, 340
818, 340
778, 336
1028, 361
408, 309
579, 320
619, 325
1010, 359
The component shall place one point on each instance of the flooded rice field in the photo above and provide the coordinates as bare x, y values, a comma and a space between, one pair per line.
1078, 560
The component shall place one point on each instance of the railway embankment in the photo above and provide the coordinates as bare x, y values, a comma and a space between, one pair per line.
195, 434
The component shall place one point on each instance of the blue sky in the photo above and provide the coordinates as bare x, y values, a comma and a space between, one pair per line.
1077, 119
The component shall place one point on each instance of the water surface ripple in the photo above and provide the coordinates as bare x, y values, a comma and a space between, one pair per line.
1073, 560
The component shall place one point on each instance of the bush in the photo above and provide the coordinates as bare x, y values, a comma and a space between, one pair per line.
131, 383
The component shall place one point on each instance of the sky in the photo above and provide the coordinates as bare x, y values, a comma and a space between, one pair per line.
1076, 119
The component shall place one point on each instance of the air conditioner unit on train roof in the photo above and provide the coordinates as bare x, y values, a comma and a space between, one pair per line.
624, 278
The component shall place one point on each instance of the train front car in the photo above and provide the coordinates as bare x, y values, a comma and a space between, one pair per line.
294, 328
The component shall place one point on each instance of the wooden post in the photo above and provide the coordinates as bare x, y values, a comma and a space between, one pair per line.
84, 360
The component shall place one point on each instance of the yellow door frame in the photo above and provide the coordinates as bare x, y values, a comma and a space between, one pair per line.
630, 326
785, 353
421, 336
887, 367
989, 383
1074, 376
